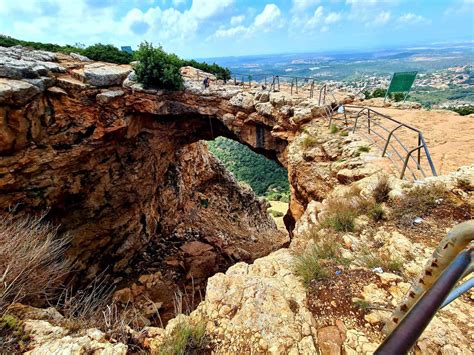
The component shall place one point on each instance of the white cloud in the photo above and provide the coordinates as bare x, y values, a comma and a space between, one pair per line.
302, 5
237, 20
270, 13
333, 17
411, 19
265, 21
202, 9
315, 20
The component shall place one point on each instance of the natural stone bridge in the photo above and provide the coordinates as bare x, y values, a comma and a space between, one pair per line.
115, 164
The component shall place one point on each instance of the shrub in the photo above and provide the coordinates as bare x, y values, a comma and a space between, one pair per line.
344, 133
32, 260
156, 68
379, 92
184, 339
362, 304
107, 53
382, 189
397, 96
334, 129
463, 110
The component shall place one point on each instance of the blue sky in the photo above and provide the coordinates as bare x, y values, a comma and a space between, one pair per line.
211, 28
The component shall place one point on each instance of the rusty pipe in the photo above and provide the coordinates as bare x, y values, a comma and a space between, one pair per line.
404, 336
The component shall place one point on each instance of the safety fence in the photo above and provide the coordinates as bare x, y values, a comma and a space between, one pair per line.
403, 144
295, 85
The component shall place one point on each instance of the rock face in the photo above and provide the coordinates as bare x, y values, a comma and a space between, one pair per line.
123, 172
118, 166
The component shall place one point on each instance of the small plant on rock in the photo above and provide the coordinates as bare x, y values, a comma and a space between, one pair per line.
334, 129
363, 149
185, 338
308, 266
377, 213
383, 260
382, 189
418, 202
308, 141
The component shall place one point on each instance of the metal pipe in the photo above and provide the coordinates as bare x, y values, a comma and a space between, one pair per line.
388, 139
407, 158
404, 336
458, 291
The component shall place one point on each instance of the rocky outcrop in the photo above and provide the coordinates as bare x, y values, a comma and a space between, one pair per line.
114, 164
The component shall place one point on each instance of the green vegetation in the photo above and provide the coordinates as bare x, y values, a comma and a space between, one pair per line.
344, 133
266, 177
100, 52
156, 68
276, 213
377, 213
308, 266
429, 97
106, 53
334, 129
164, 75
362, 304
379, 92
363, 149
185, 338
463, 110
312, 264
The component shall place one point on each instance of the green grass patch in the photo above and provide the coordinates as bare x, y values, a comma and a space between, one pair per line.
334, 129
185, 338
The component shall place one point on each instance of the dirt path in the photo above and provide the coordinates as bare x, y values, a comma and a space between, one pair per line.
450, 137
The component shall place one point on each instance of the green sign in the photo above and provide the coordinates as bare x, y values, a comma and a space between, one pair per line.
402, 82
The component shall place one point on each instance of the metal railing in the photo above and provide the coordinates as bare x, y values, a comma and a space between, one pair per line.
368, 118
297, 84
404, 336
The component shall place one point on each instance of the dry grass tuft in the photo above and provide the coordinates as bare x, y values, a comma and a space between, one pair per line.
312, 264
32, 261
342, 211
308, 141
186, 338
382, 189
384, 260
418, 202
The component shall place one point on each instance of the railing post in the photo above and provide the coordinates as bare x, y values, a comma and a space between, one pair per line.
368, 121
278, 79
406, 160
296, 79
388, 140
419, 151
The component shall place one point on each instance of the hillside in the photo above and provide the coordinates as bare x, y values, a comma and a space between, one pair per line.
265, 177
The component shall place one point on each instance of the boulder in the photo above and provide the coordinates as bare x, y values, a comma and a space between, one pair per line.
16, 92
102, 74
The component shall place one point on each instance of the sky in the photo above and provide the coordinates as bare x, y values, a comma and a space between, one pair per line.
218, 28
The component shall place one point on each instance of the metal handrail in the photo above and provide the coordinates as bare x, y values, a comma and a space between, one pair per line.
370, 113
404, 336
323, 90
